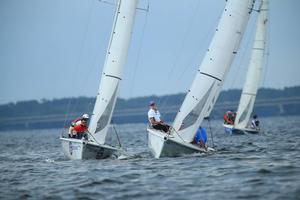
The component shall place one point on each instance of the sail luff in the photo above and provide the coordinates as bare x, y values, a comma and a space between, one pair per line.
112, 71
213, 69
254, 72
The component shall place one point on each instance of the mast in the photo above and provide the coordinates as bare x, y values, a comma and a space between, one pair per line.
254, 70
209, 78
112, 71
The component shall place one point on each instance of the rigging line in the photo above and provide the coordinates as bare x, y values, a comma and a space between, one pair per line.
90, 134
78, 60
114, 4
177, 134
92, 68
81, 53
267, 51
208, 33
117, 135
211, 133
191, 64
107, 2
180, 50
139, 52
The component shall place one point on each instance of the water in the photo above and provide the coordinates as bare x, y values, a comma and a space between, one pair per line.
265, 166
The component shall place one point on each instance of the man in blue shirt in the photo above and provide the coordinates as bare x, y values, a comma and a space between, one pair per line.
200, 137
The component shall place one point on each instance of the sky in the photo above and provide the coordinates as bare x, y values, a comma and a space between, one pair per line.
56, 49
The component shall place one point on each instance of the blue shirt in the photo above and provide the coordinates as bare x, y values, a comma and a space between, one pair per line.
201, 135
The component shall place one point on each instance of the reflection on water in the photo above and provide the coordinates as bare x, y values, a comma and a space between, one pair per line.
244, 167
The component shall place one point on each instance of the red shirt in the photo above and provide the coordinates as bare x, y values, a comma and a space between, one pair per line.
80, 128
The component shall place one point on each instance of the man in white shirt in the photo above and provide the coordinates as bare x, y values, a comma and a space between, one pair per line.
255, 122
155, 120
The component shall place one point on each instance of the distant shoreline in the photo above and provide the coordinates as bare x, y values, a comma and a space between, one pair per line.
57, 113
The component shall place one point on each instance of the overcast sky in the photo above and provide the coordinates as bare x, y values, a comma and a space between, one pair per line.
56, 48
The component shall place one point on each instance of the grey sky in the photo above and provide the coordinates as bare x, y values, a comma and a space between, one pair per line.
54, 49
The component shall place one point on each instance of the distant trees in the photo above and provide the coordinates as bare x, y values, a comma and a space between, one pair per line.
85, 104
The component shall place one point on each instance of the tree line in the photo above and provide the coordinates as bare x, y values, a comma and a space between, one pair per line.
85, 104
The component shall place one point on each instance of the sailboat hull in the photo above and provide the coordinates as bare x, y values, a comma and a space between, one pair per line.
251, 130
229, 129
163, 145
76, 149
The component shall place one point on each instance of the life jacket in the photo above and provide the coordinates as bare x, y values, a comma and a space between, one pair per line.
80, 128
73, 123
227, 119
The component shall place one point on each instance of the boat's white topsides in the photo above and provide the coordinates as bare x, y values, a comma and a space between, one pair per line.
162, 144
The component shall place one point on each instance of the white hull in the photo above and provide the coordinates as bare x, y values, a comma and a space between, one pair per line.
163, 145
251, 130
231, 130
76, 149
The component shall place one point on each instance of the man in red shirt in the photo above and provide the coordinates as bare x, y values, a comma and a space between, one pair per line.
229, 117
79, 127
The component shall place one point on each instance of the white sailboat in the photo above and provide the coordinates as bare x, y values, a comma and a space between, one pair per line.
206, 85
248, 96
94, 147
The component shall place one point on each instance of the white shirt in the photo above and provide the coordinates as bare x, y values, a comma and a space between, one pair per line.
253, 124
154, 114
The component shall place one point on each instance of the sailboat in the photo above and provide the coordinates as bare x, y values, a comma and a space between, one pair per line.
250, 88
95, 147
206, 86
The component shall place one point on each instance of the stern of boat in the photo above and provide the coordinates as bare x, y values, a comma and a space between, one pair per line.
72, 148
228, 128
78, 149
252, 130
156, 140
164, 145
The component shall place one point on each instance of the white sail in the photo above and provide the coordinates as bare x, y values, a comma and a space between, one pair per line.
254, 70
112, 71
215, 65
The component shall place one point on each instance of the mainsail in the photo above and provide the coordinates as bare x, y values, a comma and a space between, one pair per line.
254, 70
112, 72
215, 65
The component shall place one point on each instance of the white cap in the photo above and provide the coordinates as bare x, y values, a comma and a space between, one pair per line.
85, 116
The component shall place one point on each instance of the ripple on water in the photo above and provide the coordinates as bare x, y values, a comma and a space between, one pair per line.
243, 167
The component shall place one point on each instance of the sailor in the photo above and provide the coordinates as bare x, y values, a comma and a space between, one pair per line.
229, 117
255, 122
155, 119
233, 116
79, 127
200, 137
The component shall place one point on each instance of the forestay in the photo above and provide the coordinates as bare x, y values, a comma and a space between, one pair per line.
112, 71
254, 70
215, 65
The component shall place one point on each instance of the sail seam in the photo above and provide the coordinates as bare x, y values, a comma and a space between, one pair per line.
211, 76
258, 49
113, 76
251, 94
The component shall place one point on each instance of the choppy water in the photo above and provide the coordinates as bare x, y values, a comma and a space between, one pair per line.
265, 166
